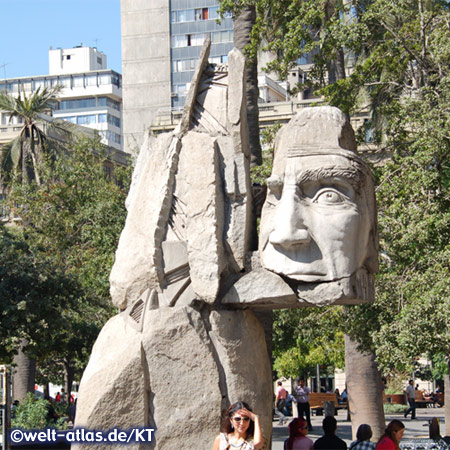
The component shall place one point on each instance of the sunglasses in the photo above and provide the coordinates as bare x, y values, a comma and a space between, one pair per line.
238, 419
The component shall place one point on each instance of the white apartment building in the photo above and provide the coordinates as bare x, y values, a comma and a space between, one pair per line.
91, 94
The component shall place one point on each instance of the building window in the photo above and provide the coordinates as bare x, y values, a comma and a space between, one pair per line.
222, 36
77, 104
71, 119
110, 136
99, 60
88, 119
91, 80
78, 81
191, 15
213, 12
113, 104
113, 120
202, 14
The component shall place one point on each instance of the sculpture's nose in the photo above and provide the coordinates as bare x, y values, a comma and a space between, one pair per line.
289, 228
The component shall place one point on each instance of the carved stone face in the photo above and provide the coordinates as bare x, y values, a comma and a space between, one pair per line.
318, 222
315, 224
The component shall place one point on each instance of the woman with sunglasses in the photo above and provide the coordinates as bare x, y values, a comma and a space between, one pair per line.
240, 429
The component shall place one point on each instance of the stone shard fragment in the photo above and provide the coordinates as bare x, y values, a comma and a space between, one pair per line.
113, 379
239, 342
184, 379
261, 289
138, 260
199, 171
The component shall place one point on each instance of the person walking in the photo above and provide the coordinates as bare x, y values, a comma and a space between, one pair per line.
280, 402
304, 409
411, 395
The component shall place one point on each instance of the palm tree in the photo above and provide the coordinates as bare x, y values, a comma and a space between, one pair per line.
243, 24
365, 393
24, 154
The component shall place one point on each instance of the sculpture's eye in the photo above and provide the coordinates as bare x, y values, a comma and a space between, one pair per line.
275, 186
329, 197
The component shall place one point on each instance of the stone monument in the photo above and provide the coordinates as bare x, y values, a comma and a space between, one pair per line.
186, 343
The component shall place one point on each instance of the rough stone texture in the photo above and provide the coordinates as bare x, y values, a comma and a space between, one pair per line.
261, 289
237, 219
176, 375
191, 98
138, 257
204, 213
190, 187
184, 379
353, 290
112, 381
236, 336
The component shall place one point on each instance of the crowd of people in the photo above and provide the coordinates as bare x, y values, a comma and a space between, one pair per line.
241, 427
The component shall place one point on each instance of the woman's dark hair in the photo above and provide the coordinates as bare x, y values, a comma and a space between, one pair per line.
364, 432
294, 431
393, 426
226, 426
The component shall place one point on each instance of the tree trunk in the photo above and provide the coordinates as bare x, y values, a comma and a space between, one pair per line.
364, 387
68, 378
23, 373
336, 68
243, 24
447, 400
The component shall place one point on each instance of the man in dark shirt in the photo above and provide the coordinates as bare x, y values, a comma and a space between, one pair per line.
329, 441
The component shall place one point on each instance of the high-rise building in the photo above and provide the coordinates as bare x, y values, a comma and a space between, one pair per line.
91, 94
161, 43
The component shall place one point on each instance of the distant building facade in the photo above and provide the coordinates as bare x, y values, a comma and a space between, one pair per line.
161, 43
91, 95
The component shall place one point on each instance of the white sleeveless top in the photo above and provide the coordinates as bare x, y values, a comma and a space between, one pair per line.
226, 445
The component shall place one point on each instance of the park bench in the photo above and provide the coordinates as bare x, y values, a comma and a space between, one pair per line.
422, 401
317, 400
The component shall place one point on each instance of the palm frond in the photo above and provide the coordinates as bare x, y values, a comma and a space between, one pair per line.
10, 158
16, 151
7, 102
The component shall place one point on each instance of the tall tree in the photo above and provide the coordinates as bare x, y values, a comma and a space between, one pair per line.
25, 152
399, 53
244, 21
75, 217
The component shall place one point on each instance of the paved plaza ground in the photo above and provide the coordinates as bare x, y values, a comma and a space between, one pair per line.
415, 429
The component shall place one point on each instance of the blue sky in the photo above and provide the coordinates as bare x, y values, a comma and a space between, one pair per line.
29, 27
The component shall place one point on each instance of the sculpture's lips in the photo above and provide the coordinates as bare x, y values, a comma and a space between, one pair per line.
307, 276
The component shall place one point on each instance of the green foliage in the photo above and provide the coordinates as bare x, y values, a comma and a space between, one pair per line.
22, 158
73, 221
25, 281
31, 414
306, 337
393, 408
260, 174
399, 52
